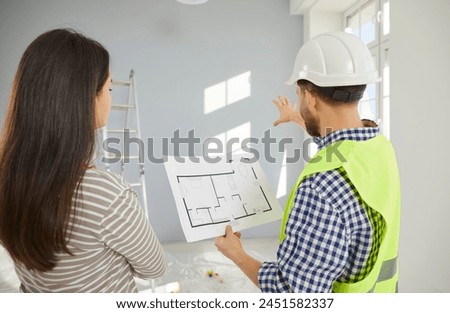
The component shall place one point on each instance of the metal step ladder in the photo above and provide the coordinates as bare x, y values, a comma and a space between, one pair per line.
124, 117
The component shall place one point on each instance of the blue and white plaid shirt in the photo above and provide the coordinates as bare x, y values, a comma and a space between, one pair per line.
329, 233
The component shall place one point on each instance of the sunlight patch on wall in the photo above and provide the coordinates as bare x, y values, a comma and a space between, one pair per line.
238, 88
233, 138
227, 92
215, 97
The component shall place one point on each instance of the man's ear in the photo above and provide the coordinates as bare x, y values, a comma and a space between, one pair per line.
312, 101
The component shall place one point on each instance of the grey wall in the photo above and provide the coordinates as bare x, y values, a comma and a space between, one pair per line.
177, 51
420, 93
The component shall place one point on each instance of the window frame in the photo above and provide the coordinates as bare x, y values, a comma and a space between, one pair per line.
379, 48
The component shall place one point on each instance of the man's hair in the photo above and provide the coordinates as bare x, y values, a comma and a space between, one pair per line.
334, 95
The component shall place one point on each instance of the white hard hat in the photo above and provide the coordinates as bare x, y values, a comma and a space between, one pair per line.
334, 59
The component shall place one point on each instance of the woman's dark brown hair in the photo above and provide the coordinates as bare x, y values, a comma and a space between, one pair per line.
47, 141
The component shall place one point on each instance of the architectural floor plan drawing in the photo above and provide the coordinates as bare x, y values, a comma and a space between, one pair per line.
211, 196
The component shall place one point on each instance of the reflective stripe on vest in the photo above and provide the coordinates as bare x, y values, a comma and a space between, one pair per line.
387, 271
372, 168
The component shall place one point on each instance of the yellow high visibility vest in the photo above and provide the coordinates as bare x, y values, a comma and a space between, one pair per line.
372, 168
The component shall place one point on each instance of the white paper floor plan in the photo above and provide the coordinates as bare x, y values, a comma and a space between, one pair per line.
211, 196
208, 197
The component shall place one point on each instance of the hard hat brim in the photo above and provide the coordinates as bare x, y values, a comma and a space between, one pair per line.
335, 81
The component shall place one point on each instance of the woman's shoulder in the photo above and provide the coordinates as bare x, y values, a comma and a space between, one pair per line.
105, 181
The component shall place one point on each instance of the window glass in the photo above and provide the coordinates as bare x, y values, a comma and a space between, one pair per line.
371, 91
367, 110
386, 73
368, 22
353, 24
386, 18
368, 104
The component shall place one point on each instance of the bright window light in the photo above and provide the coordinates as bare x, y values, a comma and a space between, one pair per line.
366, 110
386, 75
353, 24
386, 118
386, 97
312, 149
386, 19
368, 22
282, 180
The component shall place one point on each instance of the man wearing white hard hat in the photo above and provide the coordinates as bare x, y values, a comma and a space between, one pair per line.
341, 223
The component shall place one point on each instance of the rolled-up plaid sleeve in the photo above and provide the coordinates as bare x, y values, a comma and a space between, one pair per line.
314, 251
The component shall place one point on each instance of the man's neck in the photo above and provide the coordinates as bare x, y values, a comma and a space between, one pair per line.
336, 119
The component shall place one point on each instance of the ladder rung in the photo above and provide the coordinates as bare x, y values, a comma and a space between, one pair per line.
122, 106
121, 130
121, 82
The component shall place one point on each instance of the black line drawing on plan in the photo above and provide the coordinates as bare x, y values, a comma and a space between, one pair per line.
215, 198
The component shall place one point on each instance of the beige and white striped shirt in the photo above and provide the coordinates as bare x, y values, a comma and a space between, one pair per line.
111, 242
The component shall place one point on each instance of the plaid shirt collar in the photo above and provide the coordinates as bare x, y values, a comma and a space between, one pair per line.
358, 134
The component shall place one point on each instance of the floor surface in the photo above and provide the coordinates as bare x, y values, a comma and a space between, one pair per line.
191, 267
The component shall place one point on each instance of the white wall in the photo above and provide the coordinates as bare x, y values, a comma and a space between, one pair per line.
420, 110
318, 21
177, 51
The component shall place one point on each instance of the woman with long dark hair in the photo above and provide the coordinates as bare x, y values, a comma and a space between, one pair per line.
68, 226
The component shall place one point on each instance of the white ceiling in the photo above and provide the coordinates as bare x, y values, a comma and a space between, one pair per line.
300, 6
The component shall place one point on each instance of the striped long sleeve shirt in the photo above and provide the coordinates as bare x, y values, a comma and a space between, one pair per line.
111, 242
